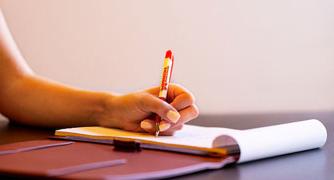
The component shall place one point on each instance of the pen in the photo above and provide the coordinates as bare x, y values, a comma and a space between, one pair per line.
165, 79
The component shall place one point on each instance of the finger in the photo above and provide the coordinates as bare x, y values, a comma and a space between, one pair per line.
172, 130
182, 101
187, 115
179, 97
166, 111
164, 125
167, 133
133, 127
150, 126
174, 91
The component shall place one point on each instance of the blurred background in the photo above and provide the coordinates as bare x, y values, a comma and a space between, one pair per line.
235, 56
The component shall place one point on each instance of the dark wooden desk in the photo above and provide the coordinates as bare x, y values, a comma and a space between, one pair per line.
314, 164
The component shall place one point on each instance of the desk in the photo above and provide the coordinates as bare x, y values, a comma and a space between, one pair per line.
314, 164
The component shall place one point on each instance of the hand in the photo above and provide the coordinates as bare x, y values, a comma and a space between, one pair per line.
136, 111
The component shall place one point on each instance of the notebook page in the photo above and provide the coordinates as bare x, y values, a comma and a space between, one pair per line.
280, 139
190, 135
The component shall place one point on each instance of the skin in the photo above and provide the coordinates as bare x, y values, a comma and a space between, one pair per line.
29, 99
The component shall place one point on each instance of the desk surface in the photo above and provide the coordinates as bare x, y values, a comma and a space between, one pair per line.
314, 164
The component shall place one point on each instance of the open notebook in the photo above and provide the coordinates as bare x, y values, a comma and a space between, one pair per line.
252, 144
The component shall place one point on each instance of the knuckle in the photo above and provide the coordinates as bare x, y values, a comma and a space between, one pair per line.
190, 97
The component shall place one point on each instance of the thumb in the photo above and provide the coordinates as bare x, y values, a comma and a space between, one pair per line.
166, 111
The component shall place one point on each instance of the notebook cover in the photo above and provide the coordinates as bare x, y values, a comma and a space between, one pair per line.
146, 164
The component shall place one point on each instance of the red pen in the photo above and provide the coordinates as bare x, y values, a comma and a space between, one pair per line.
165, 79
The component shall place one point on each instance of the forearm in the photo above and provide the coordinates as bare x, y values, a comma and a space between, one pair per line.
28, 99
34, 101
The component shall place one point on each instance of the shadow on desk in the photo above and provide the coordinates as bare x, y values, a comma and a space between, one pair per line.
10, 132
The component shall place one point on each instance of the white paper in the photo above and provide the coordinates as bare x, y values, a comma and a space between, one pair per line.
281, 139
193, 136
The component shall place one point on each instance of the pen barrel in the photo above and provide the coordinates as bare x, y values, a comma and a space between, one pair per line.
165, 77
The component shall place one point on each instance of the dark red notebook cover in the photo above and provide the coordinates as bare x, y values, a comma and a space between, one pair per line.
145, 164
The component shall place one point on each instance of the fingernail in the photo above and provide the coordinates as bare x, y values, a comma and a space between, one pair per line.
146, 125
173, 116
164, 126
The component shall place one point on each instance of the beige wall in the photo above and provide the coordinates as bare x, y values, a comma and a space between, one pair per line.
236, 56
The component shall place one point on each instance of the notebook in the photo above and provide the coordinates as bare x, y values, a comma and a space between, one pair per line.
250, 144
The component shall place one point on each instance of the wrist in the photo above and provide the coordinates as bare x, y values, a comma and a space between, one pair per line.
99, 107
